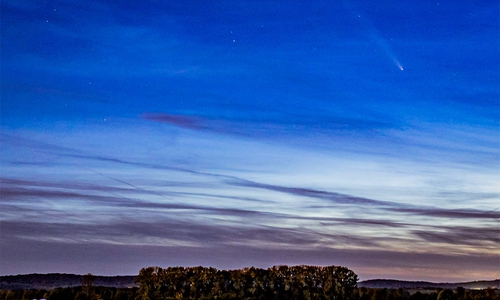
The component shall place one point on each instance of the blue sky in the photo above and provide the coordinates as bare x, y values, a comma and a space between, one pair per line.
238, 133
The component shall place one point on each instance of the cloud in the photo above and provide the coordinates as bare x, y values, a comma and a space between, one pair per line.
386, 205
229, 215
231, 180
174, 221
261, 124
170, 232
363, 222
176, 120
379, 135
304, 192
480, 237
448, 213
21, 190
19, 187
33, 144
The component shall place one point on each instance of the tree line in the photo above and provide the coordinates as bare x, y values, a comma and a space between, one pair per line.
278, 282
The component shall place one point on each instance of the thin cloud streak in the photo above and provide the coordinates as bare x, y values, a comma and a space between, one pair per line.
449, 213
303, 192
477, 237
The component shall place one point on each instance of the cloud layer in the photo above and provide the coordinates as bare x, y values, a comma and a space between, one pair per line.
208, 213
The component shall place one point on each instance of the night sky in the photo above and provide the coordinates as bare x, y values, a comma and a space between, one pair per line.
230, 134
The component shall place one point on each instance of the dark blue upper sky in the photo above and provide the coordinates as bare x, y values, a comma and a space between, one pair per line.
218, 118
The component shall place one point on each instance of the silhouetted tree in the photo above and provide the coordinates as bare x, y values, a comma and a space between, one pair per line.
446, 294
418, 296
149, 280
87, 281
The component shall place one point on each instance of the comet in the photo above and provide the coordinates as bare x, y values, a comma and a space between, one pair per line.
398, 64
383, 44
374, 34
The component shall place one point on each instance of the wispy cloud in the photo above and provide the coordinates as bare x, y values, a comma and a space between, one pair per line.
177, 120
304, 192
263, 125
486, 237
449, 213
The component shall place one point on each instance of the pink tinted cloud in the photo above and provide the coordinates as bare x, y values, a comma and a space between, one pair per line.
176, 120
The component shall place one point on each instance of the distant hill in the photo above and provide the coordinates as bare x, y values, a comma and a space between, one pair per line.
55, 280
396, 284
